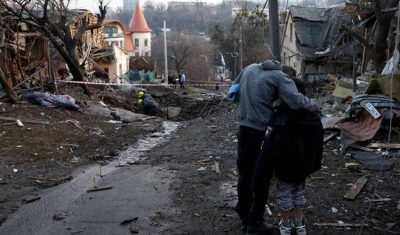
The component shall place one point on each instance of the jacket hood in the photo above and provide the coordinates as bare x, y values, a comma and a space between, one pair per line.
271, 65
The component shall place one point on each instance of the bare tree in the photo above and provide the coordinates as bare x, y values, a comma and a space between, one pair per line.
188, 52
52, 18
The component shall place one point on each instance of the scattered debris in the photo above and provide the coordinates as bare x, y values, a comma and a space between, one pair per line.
215, 167
19, 123
134, 228
372, 161
269, 212
330, 136
29, 200
75, 122
59, 217
352, 166
75, 232
384, 145
339, 225
356, 188
127, 221
204, 161
98, 189
44, 122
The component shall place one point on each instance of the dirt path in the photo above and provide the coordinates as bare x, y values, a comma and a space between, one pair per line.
202, 156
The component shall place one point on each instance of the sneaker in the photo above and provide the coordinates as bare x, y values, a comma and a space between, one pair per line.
284, 230
259, 229
300, 230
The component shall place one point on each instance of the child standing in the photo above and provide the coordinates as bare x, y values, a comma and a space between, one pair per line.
297, 138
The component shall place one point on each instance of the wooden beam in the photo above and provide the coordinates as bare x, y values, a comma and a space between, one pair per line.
384, 145
25, 120
362, 148
339, 225
330, 136
356, 188
356, 36
98, 189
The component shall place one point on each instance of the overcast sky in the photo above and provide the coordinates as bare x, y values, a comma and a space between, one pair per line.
93, 4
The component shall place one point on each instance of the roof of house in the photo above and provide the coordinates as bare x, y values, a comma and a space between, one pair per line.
316, 28
128, 41
138, 22
118, 22
308, 13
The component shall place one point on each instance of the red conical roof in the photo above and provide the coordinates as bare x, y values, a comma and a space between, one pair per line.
138, 22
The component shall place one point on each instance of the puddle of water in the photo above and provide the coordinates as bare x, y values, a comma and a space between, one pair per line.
132, 154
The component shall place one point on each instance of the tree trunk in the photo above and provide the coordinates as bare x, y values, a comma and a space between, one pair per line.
78, 76
381, 33
73, 63
7, 89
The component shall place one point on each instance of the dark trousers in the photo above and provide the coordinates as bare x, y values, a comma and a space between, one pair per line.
261, 181
249, 143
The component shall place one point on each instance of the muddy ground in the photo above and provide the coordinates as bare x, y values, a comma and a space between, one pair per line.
203, 153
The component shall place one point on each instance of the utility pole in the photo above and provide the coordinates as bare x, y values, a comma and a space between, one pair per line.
274, 28
165, 54
241, 45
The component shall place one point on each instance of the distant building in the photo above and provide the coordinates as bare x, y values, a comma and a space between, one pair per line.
314, 46
141, 33
127, 42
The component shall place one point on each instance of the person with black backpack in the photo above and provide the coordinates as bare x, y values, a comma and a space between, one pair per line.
292, 150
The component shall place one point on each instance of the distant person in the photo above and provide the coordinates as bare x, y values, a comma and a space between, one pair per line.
172, 80
260, 85
182, 80
149, 105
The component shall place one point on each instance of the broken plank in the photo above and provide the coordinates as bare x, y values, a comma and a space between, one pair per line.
340, 225
98, 189
330, 136
25, 120
384, 145
362, 148
29, 200
204, 160
356, 188
378, 200
217, 167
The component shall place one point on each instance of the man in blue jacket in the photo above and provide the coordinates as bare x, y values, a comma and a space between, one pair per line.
260, 85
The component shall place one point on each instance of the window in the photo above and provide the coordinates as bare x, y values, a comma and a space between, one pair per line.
146, 42
291, 32
110, 30
136, 42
